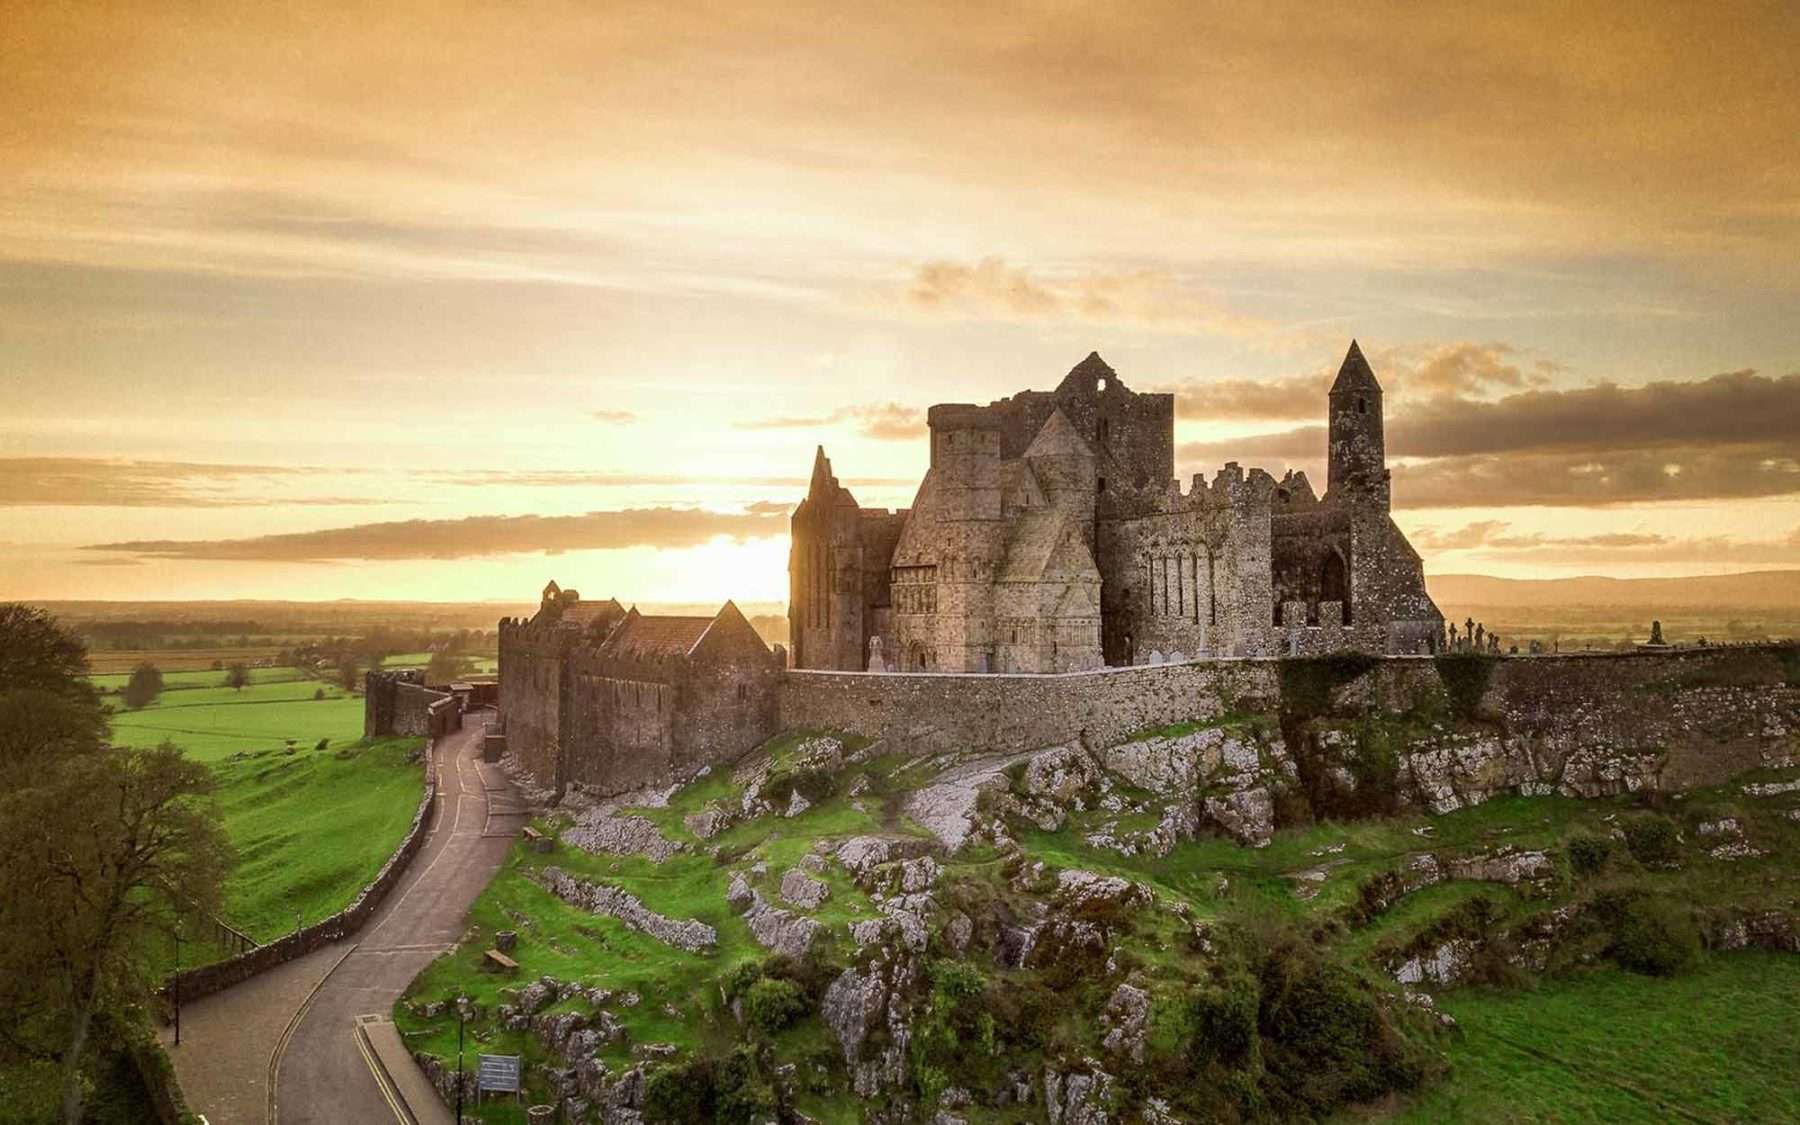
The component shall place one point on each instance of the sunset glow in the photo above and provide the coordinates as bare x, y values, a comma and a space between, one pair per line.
574, 291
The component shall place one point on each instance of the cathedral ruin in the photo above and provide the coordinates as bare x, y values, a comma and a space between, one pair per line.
1050, 535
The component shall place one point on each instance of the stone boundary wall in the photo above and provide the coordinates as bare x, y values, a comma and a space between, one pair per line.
400, 703
1711, 710
940, 711
205, 980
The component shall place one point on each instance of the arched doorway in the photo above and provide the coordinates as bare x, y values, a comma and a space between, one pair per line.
1334, 582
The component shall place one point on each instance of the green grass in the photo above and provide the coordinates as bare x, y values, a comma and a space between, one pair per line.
1717, 1044
178, 681
211, 724
312, 828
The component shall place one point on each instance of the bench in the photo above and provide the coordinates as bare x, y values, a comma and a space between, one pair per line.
497, 962
538, 841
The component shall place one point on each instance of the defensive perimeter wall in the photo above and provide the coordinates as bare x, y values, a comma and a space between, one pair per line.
1707, 712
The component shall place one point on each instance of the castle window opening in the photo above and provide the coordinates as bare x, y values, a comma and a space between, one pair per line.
1362, 405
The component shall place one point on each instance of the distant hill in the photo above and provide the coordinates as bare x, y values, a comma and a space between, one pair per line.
1759, 589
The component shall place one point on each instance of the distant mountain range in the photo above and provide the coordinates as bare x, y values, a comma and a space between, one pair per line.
1757, 589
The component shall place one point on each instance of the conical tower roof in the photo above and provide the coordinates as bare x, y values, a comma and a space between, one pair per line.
1355, 374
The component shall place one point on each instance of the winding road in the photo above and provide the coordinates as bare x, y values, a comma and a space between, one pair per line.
281, 1048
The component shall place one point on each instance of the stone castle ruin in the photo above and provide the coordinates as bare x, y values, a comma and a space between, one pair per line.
1050, 535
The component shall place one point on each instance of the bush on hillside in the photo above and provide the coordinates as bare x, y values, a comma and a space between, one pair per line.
1653, 841
1647, 933
772, 1004
1589, 855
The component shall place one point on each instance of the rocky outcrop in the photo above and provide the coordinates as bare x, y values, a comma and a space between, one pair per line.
860, 1003
802, 890
1127, 1018
597, 898
601, 833
774, 928
1078, 1096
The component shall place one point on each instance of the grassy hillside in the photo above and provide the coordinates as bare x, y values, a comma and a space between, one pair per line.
1559, 1043
311, 827
211, 723
1606, 1045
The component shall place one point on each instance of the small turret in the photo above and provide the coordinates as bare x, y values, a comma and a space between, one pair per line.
1358, 452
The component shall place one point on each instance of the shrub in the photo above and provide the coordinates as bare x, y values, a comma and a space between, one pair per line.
319, 693
1652, 841
771, 1004
1224, 1021
145, 685
1465, 676
322, 744
1589, 855
1649, 933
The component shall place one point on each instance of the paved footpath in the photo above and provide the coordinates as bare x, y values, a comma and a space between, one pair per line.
294, 1027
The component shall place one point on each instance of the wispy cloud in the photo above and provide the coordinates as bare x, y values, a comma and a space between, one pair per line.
994, 289
102, 482
1497, 539
887, 421
475, 536
613, 417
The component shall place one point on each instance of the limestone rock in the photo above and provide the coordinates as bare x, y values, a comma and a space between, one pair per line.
594, 831
780, 930
802, 890
1247, 816
690, 934
1127, 1017
1078, 1097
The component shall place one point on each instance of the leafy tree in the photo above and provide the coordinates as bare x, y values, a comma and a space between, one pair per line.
98, 848
145, 685
38, 654
237, 677
446, 666
349, 672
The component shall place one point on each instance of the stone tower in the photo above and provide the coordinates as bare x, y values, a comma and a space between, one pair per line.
1358, 453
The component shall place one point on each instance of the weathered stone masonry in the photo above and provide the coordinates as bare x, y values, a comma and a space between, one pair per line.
1702, 714
1050, 535
400, 703
612, 699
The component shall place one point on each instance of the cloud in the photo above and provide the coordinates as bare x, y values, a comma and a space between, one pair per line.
581, 478
1740, 407
476, 536
613, 417
1732, 435
105, 482
994, 290
1446, 371
887, 421
1495, 539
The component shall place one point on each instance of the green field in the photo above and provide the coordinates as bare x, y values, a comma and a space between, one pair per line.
197, 678
212, 723
1717, 1044
311, 827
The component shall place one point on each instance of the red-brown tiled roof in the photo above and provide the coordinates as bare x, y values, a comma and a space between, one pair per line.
644, 636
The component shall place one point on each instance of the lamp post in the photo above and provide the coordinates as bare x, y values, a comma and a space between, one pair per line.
461, 1008
175, 982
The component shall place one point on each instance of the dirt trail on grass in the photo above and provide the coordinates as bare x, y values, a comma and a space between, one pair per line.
295, 1024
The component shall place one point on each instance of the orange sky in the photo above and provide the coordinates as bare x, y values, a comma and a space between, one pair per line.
441, 301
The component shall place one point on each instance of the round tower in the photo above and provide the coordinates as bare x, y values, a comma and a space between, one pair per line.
1358, 453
